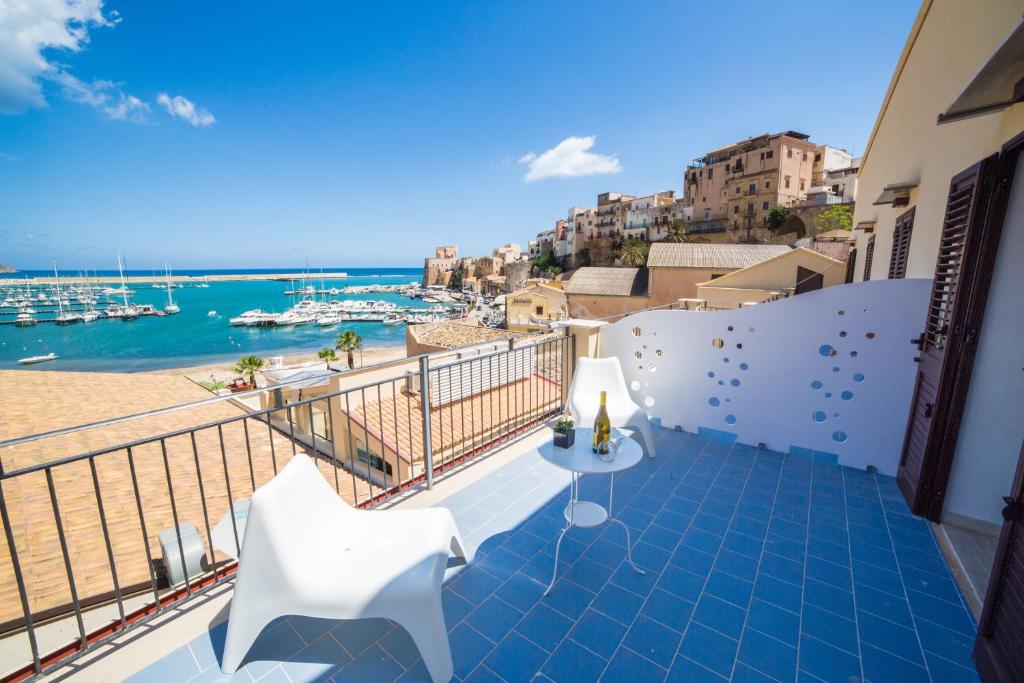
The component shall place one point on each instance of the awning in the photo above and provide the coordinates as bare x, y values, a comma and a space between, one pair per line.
865, 226
896, 194
997, 85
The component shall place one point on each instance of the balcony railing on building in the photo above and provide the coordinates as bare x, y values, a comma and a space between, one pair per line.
122, 533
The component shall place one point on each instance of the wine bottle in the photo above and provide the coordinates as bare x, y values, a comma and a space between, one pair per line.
602, 428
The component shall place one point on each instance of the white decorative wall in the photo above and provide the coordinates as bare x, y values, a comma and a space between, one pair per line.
830, 371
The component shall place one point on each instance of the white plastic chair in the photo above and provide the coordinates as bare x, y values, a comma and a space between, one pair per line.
307, 552
594, 375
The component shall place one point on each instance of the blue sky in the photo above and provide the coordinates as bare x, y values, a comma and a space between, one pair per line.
198, 134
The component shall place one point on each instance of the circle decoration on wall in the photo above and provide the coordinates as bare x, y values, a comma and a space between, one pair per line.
858, 377
818, 416
714, 402
730, 419
839, 436
816, 384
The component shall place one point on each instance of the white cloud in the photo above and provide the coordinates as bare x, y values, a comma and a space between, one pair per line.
103, 95
570, 157
29, 28
183, 108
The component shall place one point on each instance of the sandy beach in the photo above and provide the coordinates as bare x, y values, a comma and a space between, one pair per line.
225, 371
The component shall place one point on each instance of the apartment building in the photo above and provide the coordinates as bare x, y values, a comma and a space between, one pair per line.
643, 213
828, 158
741, 182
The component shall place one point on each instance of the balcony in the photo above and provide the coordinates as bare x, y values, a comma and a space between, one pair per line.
770, 552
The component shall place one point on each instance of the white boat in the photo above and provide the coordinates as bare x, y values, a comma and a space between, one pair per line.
24, 319
393, 319
204, 284
171, 308
89, 316
246, 318
328, 320
211, 314
37, 359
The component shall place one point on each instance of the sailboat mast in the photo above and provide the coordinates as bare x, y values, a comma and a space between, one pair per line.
167, 271
56, 280
124, 287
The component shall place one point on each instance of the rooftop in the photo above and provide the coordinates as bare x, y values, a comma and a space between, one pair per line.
452, 334
608, 281
682, 255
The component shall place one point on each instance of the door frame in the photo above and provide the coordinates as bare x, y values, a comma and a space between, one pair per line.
955, 379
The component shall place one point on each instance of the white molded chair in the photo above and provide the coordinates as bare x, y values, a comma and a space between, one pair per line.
594, 375
307, 552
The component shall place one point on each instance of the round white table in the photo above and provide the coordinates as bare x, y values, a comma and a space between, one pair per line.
580, 459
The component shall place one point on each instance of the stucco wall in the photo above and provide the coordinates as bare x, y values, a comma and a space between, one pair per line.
591, 306
669, 284
956, 38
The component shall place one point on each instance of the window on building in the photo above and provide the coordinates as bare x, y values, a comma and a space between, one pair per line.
789, 153
769, 154
707, 214
801, 184
750, 207
375, 461
767, 184
764, 206
786, 182
753, 187
538, 310
762, 156
835, 189
901, 245
869, 254
805, 156
737, 189
711, 173
736, 208
817, 156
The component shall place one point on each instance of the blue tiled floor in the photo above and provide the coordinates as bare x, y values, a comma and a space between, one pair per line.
759, 566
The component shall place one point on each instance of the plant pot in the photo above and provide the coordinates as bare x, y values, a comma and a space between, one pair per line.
565, 440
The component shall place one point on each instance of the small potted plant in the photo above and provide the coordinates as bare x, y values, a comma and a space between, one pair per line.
565, 435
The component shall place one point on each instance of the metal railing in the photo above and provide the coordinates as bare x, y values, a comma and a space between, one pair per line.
82, 530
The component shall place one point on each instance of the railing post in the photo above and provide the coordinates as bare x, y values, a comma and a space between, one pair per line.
428, 449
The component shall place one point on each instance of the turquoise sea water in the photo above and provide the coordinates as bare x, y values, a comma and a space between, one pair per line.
191, 337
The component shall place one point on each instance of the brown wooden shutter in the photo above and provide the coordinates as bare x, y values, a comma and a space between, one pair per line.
950, 267
869, 254
901, 245
851, 263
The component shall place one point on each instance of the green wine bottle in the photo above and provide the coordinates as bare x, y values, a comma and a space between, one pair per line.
602, 427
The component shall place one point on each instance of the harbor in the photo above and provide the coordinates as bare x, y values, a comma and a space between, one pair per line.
128, 328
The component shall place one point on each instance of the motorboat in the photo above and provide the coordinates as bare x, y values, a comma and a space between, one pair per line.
393, 319
24, 319
211, 314
89, 316
246, 318
37, 359
328, 320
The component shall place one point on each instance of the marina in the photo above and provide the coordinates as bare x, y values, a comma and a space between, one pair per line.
108, 325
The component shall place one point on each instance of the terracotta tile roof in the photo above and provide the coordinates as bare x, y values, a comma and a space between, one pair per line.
682, 255
608, 281
452, 334
33, 402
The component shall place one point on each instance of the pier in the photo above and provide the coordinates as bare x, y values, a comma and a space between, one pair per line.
183, 279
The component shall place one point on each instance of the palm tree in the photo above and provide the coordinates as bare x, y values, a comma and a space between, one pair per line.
348, 341
248, 366
634, 253
327, 354
676, 232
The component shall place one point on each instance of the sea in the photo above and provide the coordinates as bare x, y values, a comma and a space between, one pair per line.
194, 336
